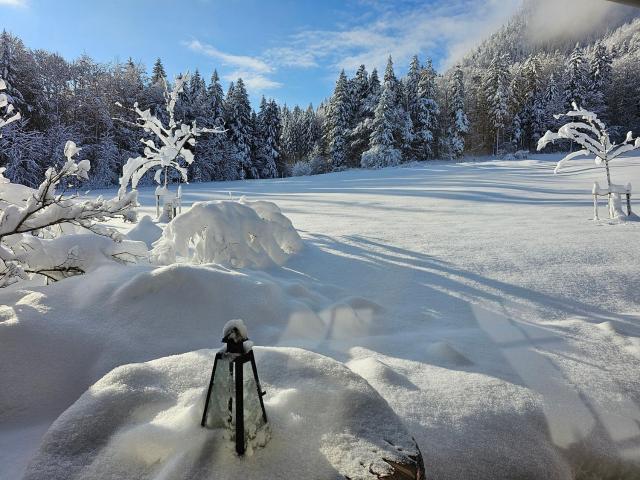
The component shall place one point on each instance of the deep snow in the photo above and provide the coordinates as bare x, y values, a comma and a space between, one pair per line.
479, 298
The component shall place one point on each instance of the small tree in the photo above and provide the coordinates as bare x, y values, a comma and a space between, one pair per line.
591, 134
176, 139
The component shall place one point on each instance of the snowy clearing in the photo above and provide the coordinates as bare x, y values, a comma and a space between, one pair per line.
479, 299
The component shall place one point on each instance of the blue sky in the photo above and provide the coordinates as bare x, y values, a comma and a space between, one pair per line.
286, 49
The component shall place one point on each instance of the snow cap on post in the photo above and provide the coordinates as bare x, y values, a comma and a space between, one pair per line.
234, 334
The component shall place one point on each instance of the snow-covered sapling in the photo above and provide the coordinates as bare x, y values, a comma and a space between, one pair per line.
175, 142
591, 133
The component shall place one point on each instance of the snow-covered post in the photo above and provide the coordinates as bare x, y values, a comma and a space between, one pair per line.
591, 133
173, 150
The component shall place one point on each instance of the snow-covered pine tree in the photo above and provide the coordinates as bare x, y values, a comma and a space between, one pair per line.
213, 152
362, 116
382, 150
577, 79
8, 49
410, 101
238, 124
337, 123
496, 86
459, 124
425, 115
600, 74
158, 75
267, 139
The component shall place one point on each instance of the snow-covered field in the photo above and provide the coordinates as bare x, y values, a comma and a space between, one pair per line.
479, 299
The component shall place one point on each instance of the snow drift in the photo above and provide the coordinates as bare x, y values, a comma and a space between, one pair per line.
237, 234
61, 338
142, 421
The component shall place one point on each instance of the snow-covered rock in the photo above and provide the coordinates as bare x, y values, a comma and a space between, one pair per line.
236, 234
142, 421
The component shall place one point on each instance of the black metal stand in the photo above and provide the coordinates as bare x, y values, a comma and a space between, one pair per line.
236, 369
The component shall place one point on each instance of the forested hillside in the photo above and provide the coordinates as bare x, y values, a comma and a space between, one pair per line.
500, 99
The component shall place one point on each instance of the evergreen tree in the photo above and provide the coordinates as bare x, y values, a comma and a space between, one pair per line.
267, 139
600, 75
337, 123
577, 80
238, 123
459, 124
158, 74
426, 111
496, 86
386, 134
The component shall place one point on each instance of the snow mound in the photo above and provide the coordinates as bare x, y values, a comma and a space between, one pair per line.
237, 234
145, 231
142, 421
117, 315
86, 251
468, 425
446, 353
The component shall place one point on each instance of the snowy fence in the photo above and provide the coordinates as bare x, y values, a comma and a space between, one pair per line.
614, 198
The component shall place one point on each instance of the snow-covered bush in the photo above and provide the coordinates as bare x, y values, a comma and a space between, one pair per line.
27, 216
176, 141
380, 157
301, 169
237, 234
591, 133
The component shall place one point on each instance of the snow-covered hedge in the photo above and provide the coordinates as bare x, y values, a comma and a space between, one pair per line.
236, 234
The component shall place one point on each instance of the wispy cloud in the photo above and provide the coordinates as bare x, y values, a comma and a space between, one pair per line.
13, 3
254, 71
400, 29
255, 82
239, 61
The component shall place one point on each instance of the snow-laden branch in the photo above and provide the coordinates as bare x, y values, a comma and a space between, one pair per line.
26, 214
175, 141
7, 111
591, 134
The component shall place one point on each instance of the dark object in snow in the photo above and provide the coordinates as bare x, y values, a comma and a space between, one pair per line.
236, 354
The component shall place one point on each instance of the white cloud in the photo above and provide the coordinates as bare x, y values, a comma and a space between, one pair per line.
399, 30
13, 3
240, 61
253, 71
255, 82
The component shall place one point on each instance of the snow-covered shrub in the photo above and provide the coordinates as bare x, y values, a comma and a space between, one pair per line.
175, 142
301, 169
380, 157
237, 234
28, 215
318, 165
591, 133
